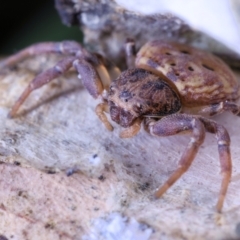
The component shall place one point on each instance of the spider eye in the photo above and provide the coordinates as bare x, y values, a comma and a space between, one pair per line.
125, 95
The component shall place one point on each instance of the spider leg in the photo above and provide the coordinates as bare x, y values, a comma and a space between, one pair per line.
91, 68
178, 123
171, 125
221, 107
130, 53
132, 130
95, 79
100, 109
90, 77
223, 140
97, 73
42, 79
112, 69
65, 47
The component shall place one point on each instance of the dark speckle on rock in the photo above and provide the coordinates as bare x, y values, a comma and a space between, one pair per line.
3, 237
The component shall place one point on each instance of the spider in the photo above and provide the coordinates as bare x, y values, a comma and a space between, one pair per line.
168, 88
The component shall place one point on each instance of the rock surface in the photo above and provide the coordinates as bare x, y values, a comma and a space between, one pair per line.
57, 129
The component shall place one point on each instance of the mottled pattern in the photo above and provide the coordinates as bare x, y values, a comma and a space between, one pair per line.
142, 93
200, 77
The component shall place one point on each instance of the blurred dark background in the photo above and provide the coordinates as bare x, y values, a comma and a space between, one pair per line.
25, 22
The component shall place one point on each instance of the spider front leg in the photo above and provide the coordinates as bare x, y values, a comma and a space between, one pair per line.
171, 125
95, 81
89, 76
65, 47
94, 76
178, 123
42, 79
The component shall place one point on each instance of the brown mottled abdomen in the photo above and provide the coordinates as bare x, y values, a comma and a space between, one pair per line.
200, 77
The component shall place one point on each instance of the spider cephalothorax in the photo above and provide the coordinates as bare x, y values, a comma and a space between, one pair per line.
164, 81
137, 93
